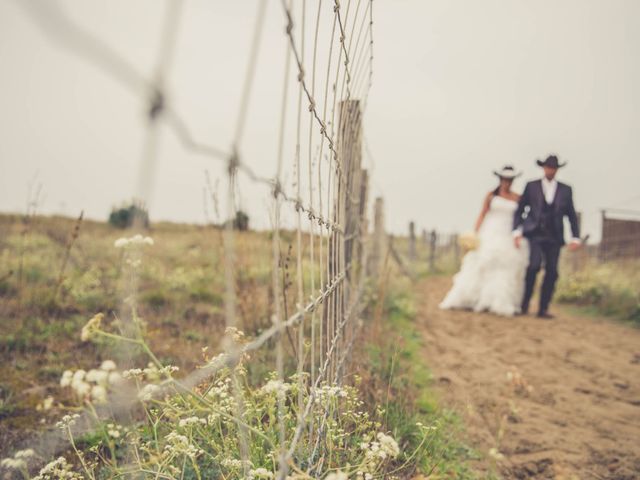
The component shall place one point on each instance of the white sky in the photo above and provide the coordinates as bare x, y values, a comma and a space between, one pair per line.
459, 88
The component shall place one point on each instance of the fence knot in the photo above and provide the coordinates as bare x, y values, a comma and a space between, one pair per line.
156, 104
234, 163
277, 188
301, 75
312, 106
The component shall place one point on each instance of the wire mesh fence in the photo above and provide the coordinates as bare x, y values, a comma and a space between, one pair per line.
321, 210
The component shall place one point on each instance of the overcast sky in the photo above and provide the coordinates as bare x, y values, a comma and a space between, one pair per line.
459, 88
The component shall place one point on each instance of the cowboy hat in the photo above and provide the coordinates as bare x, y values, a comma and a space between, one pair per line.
507, 172
551, 161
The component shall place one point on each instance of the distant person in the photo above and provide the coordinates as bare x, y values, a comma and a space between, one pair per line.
540, 219
490, 278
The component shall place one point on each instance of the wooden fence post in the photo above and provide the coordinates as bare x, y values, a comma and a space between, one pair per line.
432, 251
412, 241
349, 198
456, 251
378, 243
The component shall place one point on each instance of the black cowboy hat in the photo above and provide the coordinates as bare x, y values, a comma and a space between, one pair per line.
551, 161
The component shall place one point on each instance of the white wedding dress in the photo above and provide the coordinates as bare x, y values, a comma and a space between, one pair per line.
491, 277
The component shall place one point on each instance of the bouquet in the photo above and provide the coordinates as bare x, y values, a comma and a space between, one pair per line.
468, 241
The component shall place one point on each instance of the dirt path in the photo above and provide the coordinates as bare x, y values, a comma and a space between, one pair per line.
557, 399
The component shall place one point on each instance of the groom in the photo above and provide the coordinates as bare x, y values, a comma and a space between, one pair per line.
546, 203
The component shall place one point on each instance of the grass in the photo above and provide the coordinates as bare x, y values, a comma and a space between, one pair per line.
399, 380
611, 289
180, 297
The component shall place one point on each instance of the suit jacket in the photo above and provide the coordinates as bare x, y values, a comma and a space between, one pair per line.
533, 198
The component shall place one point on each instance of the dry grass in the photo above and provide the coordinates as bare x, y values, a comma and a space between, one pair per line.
43, 307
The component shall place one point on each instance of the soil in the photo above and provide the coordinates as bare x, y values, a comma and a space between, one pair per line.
541, 399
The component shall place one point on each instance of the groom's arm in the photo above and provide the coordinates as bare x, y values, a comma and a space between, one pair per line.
573, 219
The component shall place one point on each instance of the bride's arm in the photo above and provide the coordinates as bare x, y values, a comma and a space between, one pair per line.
483, 212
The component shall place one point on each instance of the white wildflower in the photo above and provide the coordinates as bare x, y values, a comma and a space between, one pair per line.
388, 445
276, 386
57, 469
114, 378
179, 444
46, 404
147, 392
65, 380
78, 377
82, 389
233, 332
185, 422
67, 421
133, 241
13, 463
121, 242
92, 326
337, 476
132, 373
27, 453
137, 263
232, 463
99, 377
108, 365
113, 433
260, 473
99, 394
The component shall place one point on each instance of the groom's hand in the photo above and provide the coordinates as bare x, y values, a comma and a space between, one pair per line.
517, 240
573, 246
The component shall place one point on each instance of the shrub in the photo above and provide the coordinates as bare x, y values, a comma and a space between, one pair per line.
241, 222
124, 216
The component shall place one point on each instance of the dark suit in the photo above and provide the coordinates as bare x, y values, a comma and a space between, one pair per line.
543, 225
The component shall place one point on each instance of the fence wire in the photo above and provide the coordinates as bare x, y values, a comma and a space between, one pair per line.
328, 198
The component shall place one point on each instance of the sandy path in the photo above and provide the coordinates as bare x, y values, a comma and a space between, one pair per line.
571, 408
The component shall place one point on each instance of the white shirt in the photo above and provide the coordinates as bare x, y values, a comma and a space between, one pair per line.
549, 188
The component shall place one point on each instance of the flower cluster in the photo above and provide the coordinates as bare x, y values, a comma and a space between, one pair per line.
276, 386
57, 470
328, 393
190, 421
18, 461
260, 473
136, 240
377, 451
180, 445
151, 373
94, 384
67, 421
92, 326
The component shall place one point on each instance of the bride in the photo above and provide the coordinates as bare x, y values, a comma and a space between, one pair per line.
491, 277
